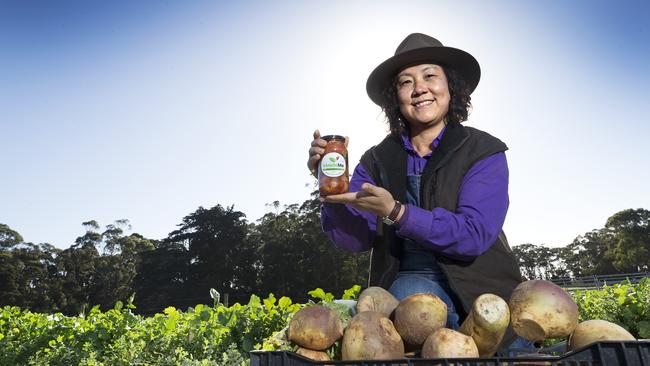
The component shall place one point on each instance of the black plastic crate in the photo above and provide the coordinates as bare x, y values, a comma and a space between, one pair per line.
628, 353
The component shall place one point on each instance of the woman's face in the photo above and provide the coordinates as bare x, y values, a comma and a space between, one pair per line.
423, 94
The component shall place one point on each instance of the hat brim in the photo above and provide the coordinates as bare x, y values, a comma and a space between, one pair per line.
461, 61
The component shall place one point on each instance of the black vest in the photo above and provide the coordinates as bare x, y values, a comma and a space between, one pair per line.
495, 271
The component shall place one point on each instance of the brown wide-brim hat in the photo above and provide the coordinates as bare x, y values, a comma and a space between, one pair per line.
418, 48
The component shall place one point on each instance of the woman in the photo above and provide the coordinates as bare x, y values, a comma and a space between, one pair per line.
430, 199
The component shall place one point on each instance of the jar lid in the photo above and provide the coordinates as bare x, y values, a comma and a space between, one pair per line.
333, 137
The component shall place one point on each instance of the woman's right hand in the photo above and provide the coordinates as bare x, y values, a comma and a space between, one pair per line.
316, 151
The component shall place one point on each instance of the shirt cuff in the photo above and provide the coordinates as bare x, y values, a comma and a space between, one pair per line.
415, 223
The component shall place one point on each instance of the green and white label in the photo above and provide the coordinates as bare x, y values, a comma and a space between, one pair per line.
332, 164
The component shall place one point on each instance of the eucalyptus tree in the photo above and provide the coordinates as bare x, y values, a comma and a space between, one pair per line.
220, 256
627, 236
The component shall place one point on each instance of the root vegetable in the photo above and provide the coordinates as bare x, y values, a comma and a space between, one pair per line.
315, 327
419, 315
313, 355
377, 299
541, 309
591, 331
447, 343
486, 323
371, 336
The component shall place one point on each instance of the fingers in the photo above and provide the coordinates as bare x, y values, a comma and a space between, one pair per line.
315, 152
350, 197
384, 201
361, 200
370, 189
318, 144
367, 191
312, 163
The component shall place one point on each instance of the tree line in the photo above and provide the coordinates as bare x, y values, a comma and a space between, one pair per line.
284, 252
621, 246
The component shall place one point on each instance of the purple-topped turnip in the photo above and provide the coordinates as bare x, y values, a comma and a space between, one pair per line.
541, 309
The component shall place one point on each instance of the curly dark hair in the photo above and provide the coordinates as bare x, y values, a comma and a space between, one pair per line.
459, 105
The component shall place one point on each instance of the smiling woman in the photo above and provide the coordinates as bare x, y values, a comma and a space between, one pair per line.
439, 95
423, 95
429, 200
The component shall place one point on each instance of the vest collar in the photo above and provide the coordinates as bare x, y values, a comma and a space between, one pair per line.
454, 137
392, 157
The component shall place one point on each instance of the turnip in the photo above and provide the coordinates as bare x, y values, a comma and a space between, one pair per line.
447, 343
315, 327
371, 336
541, 309
591, 331
486, 323
313, 355
419, 315
377, 299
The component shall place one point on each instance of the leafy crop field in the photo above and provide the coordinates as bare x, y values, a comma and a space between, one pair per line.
625, 304
219, 335
202, 335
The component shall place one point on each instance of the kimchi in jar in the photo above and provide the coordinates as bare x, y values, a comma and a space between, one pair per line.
333, 167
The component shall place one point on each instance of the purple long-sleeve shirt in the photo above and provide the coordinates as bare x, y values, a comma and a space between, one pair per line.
466, 233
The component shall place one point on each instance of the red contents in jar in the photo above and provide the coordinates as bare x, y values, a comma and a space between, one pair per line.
333, 167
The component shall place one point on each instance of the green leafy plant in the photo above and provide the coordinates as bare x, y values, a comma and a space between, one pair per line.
625, 304
220, 335
202, 335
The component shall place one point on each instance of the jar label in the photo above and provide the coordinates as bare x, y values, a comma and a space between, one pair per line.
332, 164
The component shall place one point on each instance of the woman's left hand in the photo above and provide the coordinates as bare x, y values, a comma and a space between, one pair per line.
370, 198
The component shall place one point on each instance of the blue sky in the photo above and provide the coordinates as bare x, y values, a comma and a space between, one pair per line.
147, 110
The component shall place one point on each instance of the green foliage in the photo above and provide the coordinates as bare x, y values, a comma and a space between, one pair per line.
212, 248
202, 335
327, 299
628, 239
540, 262
321, 295
9, 237
219, 254
622, 246
296, 256
627, 305
220, 335
352, 293
587, 255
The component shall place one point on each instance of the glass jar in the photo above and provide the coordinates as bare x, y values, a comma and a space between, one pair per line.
333, 167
